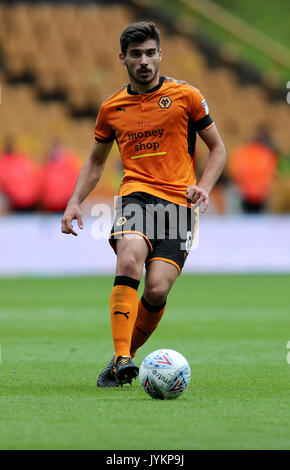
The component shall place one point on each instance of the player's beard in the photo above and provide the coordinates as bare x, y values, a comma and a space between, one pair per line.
140, 80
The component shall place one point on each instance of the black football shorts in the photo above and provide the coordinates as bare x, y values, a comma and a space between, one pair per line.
167, 228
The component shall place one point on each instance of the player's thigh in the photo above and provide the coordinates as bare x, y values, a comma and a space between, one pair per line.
132, 250
160, 277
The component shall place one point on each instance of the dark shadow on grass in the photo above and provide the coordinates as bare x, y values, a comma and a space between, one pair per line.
133, 392
42, 389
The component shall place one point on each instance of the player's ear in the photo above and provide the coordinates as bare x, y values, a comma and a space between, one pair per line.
122, 58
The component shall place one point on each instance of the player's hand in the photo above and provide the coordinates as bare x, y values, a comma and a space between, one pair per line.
72, 212
197, 195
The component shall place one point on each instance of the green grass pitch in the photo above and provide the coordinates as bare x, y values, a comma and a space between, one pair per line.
55, 339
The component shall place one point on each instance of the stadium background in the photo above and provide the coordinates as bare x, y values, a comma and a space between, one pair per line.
58, 62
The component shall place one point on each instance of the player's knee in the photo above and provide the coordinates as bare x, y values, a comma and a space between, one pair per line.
156, 294
128, 266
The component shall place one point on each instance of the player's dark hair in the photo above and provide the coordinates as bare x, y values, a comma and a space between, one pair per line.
138, 33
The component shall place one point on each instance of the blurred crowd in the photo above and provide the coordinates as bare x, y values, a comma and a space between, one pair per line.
255, 175
25, 185
259, 175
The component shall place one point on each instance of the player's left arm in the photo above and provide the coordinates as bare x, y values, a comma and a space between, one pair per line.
215, 163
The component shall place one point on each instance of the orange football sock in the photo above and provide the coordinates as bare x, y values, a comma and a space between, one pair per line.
147, 321
124, 308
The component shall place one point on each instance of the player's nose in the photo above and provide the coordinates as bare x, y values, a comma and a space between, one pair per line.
143, 59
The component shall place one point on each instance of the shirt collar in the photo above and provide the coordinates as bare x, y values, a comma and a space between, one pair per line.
131, 92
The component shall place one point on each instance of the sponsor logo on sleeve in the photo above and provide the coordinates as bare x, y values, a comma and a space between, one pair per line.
204, 104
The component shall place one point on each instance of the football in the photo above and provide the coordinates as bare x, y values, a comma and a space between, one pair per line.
164, 374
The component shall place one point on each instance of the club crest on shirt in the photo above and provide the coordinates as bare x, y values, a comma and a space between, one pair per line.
164, 102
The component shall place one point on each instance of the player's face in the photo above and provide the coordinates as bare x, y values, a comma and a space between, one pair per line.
142, 61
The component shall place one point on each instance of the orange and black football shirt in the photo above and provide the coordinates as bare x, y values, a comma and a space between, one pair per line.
156, 134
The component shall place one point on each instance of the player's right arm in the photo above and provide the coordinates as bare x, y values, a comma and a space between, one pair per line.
89, 176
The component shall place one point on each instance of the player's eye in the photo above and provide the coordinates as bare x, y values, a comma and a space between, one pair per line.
151, 53
135, 54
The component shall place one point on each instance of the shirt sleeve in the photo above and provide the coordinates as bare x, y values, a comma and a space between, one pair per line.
103, 130
198, 111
